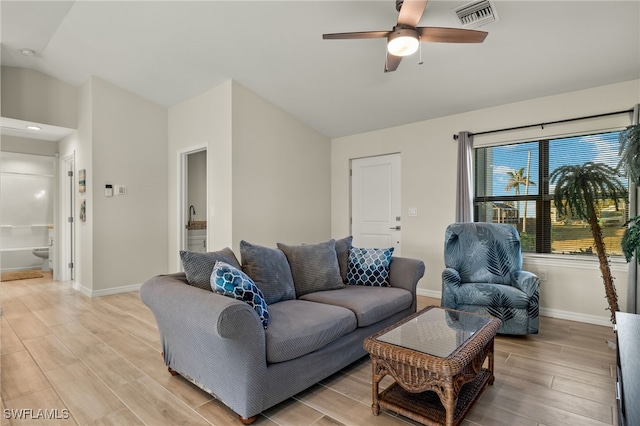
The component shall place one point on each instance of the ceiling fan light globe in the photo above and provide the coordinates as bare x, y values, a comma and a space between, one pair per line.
403, 42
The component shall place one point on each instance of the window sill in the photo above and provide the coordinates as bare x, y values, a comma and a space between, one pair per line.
617, 264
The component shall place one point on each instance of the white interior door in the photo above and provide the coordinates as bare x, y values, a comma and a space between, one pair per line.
65, 237
376, 221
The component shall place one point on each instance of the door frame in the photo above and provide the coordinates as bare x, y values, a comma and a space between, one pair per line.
183, 194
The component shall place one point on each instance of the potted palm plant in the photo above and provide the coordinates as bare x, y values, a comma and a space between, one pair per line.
630, 161
630, 152
579, 190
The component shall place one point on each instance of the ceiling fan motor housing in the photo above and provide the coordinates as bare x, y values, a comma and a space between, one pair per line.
403, 41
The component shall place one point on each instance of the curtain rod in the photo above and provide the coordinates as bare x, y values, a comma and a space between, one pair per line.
526, 126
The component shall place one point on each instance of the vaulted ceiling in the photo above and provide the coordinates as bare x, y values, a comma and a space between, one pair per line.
169, 51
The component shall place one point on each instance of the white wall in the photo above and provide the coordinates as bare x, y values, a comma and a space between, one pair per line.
198, 184
429, 183
202, 121
80, 145
268, 173
281, 175
129, 138
121, 139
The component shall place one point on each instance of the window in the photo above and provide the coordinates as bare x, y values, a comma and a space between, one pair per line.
512, 186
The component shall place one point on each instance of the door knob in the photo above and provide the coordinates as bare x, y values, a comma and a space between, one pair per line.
395, 228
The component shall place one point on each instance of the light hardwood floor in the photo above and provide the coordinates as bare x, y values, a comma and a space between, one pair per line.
98, 361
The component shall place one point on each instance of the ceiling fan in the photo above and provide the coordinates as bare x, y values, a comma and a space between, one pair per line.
405, 37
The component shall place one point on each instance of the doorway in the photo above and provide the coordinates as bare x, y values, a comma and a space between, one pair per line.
193, 211
376, 221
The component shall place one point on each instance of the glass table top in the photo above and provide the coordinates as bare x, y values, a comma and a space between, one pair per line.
436, 332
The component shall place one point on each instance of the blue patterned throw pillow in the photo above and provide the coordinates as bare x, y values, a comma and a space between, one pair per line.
369, 266
230, 281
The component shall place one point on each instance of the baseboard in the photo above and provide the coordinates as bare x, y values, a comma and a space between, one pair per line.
82, 289
429, 293
553, 313
575, 316
107, 291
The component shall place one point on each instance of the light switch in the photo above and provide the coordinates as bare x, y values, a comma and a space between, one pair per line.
413, 211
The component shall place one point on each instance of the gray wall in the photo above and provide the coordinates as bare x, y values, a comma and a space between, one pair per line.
29, 146
32, 96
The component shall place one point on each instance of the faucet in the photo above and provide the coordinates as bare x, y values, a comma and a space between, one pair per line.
192, 211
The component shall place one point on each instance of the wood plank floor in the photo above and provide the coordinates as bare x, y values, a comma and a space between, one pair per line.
97, 362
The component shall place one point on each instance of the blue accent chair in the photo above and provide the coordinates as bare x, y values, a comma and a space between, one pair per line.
483, 275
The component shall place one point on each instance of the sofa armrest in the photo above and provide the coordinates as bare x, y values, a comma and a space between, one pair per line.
213, 339
405, 273
526, 281
450, 282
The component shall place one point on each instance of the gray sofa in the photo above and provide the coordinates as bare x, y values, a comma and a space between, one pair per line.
220, 344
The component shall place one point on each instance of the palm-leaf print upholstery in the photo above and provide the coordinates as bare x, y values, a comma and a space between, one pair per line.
484, 274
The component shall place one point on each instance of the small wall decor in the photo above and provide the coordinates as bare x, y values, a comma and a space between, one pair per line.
82, 180
83, 210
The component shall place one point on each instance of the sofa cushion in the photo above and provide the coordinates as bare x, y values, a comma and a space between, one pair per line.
314, 266
269, 270
369, 266
198, 266
232, 282
342, 251
369, 304
298, 327
486, 294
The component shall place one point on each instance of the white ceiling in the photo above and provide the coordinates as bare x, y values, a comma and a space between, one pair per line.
169, 51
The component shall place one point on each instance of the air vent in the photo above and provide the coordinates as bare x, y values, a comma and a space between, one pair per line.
477, 13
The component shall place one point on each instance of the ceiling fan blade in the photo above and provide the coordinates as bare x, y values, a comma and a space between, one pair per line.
411, 12
392, 62
357, 35
450, 35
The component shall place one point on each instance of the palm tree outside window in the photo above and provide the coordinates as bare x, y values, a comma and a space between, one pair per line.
517, 178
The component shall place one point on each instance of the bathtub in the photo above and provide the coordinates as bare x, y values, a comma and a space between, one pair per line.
17, 244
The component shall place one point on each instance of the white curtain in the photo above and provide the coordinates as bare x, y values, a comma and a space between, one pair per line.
464, 190
633, 296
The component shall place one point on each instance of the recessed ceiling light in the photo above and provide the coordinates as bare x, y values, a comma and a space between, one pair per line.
28, 52
32, 127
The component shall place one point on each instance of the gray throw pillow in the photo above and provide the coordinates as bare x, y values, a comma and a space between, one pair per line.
314, 267
199, 266
269, 270
342, 250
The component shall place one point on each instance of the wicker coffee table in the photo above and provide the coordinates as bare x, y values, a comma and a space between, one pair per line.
436, 357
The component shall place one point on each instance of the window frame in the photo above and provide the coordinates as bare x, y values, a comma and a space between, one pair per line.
543, 199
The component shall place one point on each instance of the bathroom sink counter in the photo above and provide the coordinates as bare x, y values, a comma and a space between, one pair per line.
197, 224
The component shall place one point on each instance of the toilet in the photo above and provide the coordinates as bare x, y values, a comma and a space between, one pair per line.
43, 253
